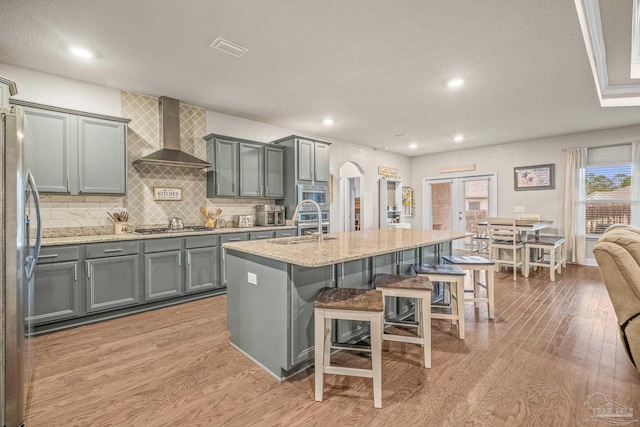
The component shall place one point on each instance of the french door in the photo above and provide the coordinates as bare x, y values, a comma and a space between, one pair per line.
448, 202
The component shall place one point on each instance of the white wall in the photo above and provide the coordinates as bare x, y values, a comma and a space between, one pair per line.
503, 158
42, 88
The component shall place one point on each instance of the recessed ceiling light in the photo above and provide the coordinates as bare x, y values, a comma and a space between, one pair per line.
413, 145
328, 122
458, 138
455, 82
81, 52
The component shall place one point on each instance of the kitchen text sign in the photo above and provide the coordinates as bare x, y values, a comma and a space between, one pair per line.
167, 193
387, 172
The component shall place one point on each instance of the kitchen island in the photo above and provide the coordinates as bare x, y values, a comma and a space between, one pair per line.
272, 285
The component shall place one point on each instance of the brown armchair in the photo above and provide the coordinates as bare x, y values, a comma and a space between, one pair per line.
618, 256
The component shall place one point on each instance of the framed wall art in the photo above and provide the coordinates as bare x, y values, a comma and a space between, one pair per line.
538, 177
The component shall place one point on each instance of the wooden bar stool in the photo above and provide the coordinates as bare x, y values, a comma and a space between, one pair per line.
348, 304
554, 246
453, 275
418, 287
477, 264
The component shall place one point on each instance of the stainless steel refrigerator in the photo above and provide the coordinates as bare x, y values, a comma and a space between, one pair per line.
20, 237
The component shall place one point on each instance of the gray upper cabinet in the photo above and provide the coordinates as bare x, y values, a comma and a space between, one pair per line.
273, 176
251, 170
321, 162
226, 168
102, 152
72, 153
305, 160
313, 161
244, 168
50, 138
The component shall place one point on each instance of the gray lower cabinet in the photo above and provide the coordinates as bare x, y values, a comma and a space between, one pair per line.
163, 275
285, 233
306, 284
261, 235
233, 237
112, 283
202, 269
56, 294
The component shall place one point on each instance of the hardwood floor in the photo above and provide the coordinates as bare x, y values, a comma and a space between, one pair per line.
550, 346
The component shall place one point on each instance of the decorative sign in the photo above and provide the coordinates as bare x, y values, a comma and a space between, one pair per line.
387, 172
460, 168
538, 177
167, 193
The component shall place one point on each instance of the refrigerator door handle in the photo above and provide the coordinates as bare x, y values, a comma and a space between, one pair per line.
32, 259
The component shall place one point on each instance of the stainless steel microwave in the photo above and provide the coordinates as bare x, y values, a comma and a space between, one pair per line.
317, 193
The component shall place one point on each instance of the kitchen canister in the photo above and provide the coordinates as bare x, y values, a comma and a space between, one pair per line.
120, 227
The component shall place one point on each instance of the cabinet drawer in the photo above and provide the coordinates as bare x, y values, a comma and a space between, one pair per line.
161, 245
50, 254
112, 249
286, 233
260, 235
235, 237
201, 241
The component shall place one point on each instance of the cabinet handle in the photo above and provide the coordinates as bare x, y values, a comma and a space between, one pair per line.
285, 235
217, 189
179, 259
262, 237
75, 272
188, 258
88, 271
235, 239
47, 256
110, 251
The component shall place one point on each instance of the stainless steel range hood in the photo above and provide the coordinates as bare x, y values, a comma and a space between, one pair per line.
170, 155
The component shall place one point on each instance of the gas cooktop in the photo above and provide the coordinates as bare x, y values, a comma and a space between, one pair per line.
172, 230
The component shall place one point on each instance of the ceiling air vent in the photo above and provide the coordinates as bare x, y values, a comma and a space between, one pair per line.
228, 47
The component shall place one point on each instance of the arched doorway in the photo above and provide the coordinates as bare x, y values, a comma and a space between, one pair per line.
351, 203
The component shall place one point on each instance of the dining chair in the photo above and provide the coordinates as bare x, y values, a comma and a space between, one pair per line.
505, 245
480, 238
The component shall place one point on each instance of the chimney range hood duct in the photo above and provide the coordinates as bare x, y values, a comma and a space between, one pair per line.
170, 155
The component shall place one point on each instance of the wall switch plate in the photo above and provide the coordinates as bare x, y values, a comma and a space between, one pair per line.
519, 209
252, 278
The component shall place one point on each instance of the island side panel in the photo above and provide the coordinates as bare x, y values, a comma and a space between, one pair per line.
257, 314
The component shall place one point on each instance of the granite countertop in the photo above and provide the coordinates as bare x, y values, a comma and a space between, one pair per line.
75, 240
341, 247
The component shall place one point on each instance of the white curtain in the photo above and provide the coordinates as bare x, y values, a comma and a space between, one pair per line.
635, 184
574, 204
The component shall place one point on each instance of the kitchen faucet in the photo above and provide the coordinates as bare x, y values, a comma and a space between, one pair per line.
296, 212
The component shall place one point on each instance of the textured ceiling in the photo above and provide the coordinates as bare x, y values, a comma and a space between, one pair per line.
378, 67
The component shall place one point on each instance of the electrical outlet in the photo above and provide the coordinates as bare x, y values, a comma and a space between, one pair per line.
252, 278
519, 209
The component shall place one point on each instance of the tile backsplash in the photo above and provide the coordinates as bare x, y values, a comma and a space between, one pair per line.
143, 137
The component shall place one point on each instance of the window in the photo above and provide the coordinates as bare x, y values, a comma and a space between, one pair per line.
608, 201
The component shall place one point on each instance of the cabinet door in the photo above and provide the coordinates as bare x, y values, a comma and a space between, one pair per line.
305, 160
233, 237
56, 294
251, 170
226, 168
202, 269
48, 136
321, 162
102, 156
274, 172
163, 275
306, 284
112, 283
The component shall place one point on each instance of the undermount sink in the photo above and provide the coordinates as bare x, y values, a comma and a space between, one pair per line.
299, 240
